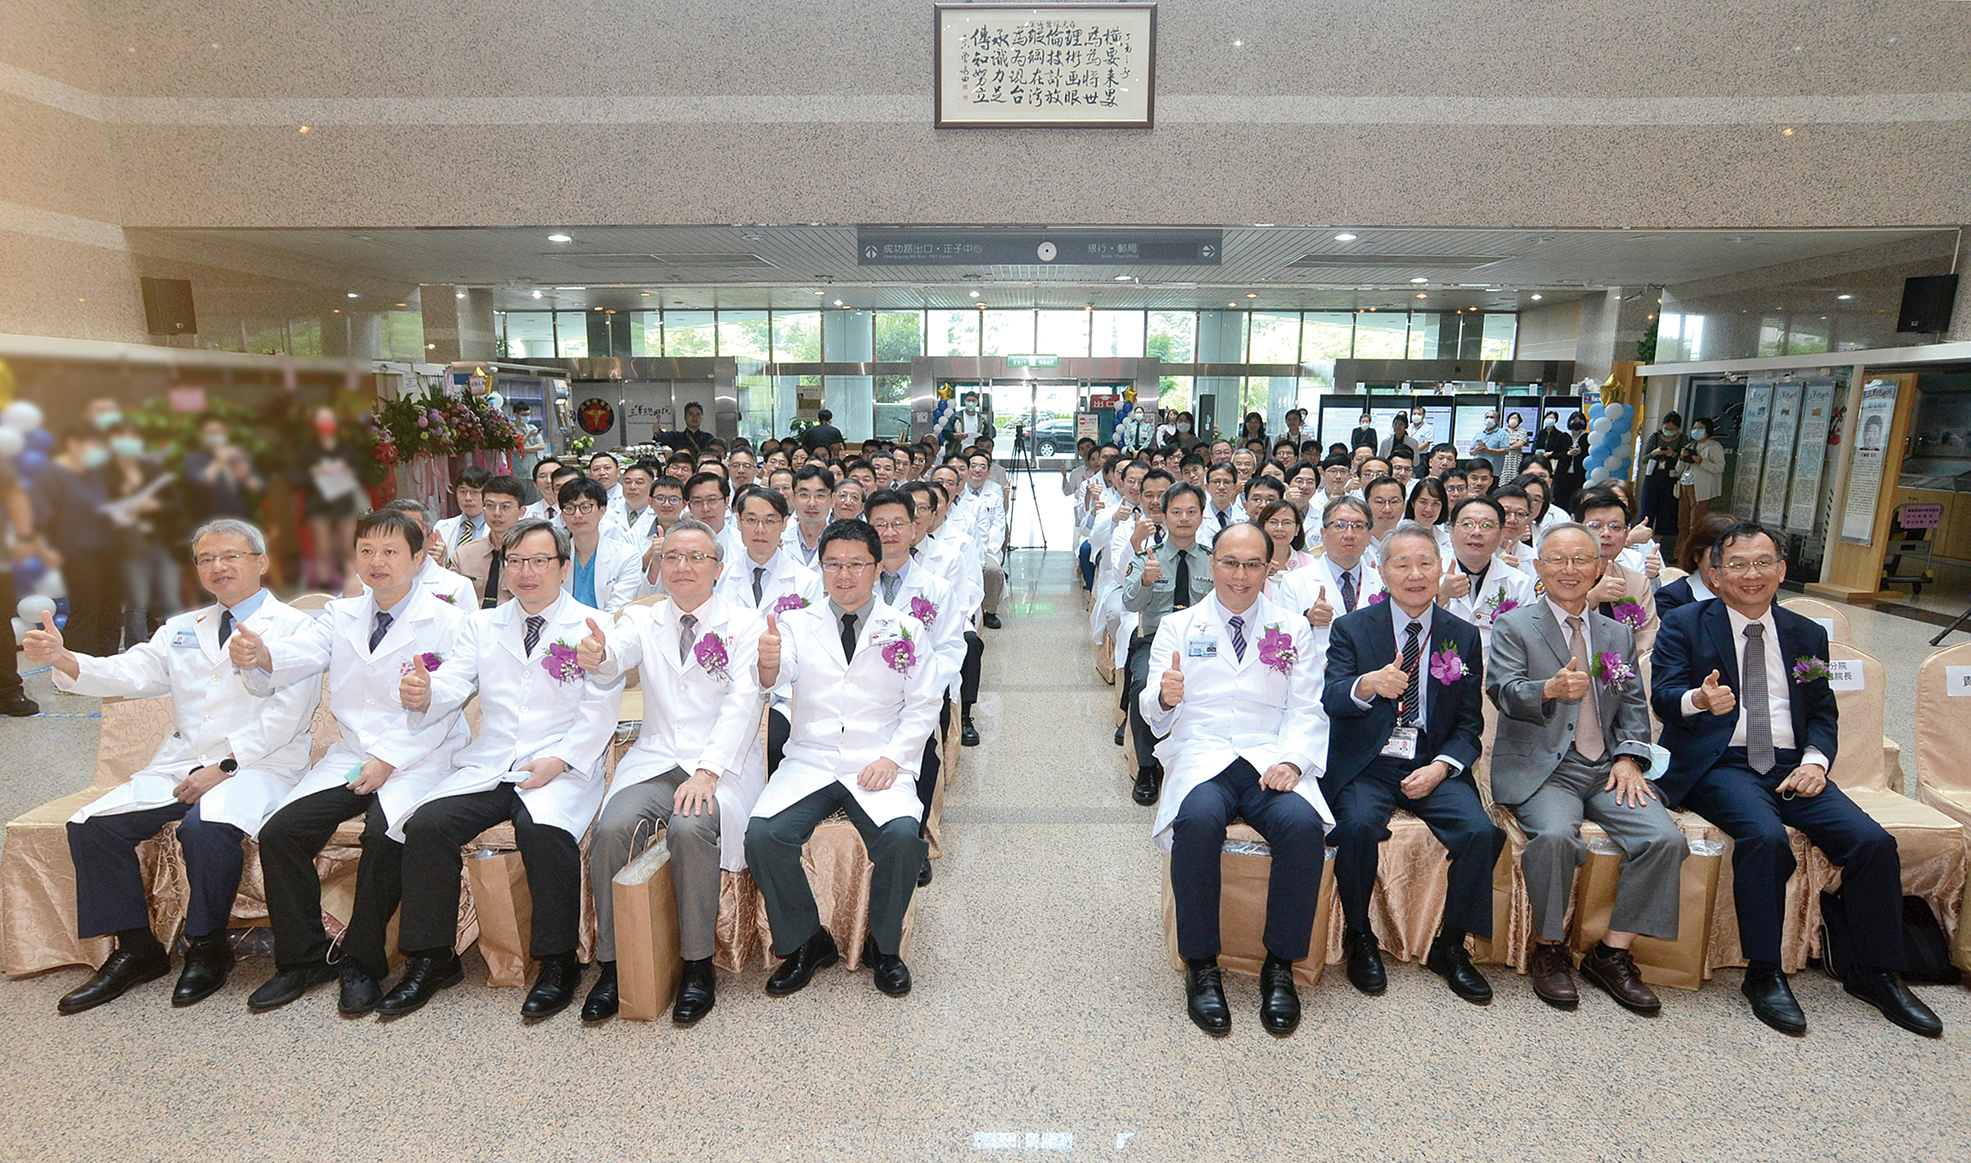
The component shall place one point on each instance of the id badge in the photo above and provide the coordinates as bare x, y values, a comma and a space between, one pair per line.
185, 640
1402, 743
1202, 648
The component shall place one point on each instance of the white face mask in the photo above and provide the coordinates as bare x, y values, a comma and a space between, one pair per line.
1183, 426
1698, 434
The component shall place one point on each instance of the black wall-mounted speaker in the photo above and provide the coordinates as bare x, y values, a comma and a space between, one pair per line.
1927, 302
168, 307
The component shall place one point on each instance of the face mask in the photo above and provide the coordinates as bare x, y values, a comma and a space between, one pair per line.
1183, 426
1669, 431
127, 445
108, 420
1547, 422
1698, 434
325, 426
971, 407
215, 440
95, 456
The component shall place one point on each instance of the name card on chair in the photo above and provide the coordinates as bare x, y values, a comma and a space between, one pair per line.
1957, 681
1826, 624
1845, 674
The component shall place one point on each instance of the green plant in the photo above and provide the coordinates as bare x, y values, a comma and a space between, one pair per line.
1646, 346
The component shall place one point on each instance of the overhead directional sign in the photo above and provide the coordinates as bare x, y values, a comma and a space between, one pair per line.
1033, 361
884, 246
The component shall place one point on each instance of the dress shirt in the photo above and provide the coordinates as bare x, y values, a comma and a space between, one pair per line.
1779, 690
1402, 622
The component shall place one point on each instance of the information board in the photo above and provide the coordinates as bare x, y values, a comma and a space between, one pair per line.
1751, 450
1873, 421
1781, 427
1810, 457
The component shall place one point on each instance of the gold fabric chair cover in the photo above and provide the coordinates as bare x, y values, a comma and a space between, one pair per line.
839, 872
1943, 778
1242, 911
1835, 619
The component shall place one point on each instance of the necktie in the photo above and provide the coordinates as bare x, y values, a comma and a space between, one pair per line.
1758, 710
1406, 711
759, 583
1237, 626
465, 532
1587, 739
687, 628
492, 597
848, 637
225, 626
890, 584
1348, 591
1223, 518
533, 637
1181, 600
382, 628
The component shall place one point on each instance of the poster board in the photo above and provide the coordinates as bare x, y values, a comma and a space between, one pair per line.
1781, 426
1810, 457
1873, 422
1751, 449
1469, 421
1044, 65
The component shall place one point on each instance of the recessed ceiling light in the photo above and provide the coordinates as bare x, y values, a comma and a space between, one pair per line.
1344, 238
537, 294
820, 293
838, 302
431, 347
1844, 298
1251, 295
1421, 295
1536, 298
403, 304
559, 238
646, 294
571, 288
354, 295
1419, 280
1231, 304
1124, 278
458, 295
303, 129
974, 294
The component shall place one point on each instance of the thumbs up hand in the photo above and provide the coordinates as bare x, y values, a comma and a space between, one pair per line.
1140, 536
769, 660
1570, 684
1170, 691
1714, 696
44, 645
592, 650
1390, 682
248, 650
414, 689
1152, 571
1321, 614
1455, 583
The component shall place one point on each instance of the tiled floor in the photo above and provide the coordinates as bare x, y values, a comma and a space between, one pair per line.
1045, 1022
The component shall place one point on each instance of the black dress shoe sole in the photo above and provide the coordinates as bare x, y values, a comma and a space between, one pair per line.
543, 1014
596, 1017
784, 989
924, 875
1145, 795
968, 739
63, 1006
1618, 999
456, 976
1215, 1029
1788, 1028
1371, 988
20, 711
684, 1020
1277, 1028
1914, 1027
1475, 997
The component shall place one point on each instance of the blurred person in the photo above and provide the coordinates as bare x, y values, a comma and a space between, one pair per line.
1662, 464
1571, 462
1701, 479
636, 521
504, 503
222, 479
324, 472
1695, 560
692, 437
607, 471
70, 496
544, 505
847, 503
1285, 540
147, 510
445, 584
1364, 435
1480, 476
17, 528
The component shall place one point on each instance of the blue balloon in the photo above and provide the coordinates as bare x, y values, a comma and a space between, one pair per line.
28, 574
41, 440
1595, 412
30, 462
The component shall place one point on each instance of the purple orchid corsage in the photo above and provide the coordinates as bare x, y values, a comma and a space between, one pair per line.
901, 655
790, 602
447, 599
1611, 670
924, 611
1276, 650
1378, 596
432, 661
1807, 668
1447, 665
710, 654
1630, 613
560, 663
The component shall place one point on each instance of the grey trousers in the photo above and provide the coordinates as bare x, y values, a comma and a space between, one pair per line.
694, 842
1653, 851
995, 586
773, 852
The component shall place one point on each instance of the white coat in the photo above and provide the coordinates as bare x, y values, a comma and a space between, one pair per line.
952, 553
526, 712
785, 576
1235, 709
363, 693
618, 573
446, 534
1301, 588
213, 714
1502, 583
693, 718
447, 585
927, 597
847, 713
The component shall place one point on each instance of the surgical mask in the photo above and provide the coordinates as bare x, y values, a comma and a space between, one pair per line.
1183, 427
108, 420
95, 456
1547, 421
215, 440
325, 426
971, 407
127, 445
1669, 430
1698, 434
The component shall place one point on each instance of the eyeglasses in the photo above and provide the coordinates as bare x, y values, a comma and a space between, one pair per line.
1607, 526
1348, 526
668, 500
1238, 566
536, 562
498, 507
851, 568
208, 560
755, 521
1578, 561
1470, 526
1739, 567
691, 557
890, 526
708, 504
581, 508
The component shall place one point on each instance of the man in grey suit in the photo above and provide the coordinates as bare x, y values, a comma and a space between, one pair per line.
1554, 667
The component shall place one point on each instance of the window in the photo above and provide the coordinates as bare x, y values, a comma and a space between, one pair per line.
1172, 337
743, 333
646, 338
1772, 335
899, 336
1062, 333
1379, 336
529, 335
1275, 339
688, 333
1174, 393
1116, 333
1221, 339
1807, 338
1500, 337
1427, 328
1006, 333
571, 334
1327, 335
952, 332
797, 336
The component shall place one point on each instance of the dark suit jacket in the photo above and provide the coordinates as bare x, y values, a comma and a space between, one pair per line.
1695, 640
1677, 593
1454, 719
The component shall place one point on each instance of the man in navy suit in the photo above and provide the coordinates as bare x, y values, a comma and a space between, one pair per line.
1751, 726
1403, 698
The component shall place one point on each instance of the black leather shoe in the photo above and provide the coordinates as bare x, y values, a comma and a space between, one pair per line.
697, 993
603, 1000
20, 707
1886, 992
1449, 960
1204, 991
892, 975
360, 993
792, 976
1772, 1001
1120, 728
1279, 1001
207, 962
1145, 791
1365, 971
122, 972
924, 874
423, 978
992, 621
286, 985
554, 988
968, 735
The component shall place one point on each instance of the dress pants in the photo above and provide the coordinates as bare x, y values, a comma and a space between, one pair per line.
1648, 893
109, 882
1292, 828
995, 584
778, 729
11, 687
773, 852
289, 842
1138, 666
933, 763
968, 671
1743, 804
434, 866
1456, 817
1085, 559
628, 823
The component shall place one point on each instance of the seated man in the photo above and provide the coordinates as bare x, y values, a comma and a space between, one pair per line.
504, 501
1574, 740
866, 693
696, 767
470, 524
1477, 585
380, 766
1172, 574
231, 758
1404, 681
1237, 701
1759, 770
605, 572
537, 762
1625, 594
445, 584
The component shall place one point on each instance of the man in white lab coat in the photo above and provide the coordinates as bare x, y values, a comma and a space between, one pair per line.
1239, 703
470, 524
1477, 586
697, 766
769, 578
954, 549
866, 693
381, 765
1341, 580
985, 506
544, 727
229, 761
814, 492
445, 584
505, 502
605, 572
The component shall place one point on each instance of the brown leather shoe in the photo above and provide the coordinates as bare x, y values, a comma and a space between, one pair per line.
1550, 971
1616, 973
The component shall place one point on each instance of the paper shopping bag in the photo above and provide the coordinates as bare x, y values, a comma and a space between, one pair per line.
1678, 964
498, 882
648, 964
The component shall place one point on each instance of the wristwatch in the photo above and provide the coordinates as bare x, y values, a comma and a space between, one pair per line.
229, 765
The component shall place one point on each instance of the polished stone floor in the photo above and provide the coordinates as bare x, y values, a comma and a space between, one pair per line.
1045, 1020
